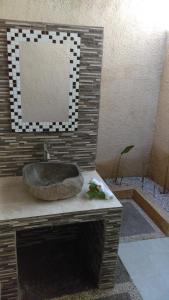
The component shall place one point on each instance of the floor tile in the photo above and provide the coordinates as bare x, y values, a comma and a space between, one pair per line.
147, 262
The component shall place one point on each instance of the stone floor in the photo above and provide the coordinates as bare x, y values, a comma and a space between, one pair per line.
145, 255
124, 289
147, 262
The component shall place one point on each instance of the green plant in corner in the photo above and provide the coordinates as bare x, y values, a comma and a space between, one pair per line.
123, 152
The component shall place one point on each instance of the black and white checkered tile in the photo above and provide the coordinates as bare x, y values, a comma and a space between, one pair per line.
14, 37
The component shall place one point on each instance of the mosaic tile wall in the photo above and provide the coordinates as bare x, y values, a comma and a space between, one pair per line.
17, 149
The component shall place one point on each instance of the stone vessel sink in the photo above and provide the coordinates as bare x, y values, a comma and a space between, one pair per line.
52, 180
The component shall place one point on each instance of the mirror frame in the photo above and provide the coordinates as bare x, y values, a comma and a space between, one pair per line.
14, 37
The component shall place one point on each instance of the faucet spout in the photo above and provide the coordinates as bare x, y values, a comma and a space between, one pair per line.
46, 154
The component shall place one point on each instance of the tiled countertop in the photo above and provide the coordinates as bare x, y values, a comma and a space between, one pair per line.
16, 202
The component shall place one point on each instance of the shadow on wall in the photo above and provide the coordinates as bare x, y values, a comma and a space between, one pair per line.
130, 166
105, 169
159, 166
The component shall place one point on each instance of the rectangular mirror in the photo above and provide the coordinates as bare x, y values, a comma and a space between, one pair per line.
40, 85
43, 79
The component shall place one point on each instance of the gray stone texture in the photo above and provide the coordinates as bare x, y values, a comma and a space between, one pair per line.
52, 181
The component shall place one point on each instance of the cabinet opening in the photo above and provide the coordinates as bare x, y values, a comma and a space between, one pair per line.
59, 260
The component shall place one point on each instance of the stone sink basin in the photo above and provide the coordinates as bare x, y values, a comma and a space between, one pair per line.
52, 180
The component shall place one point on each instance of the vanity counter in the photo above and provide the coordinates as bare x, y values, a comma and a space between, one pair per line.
19, 211
16, 202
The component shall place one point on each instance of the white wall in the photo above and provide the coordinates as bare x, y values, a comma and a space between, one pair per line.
160, 150
132, 63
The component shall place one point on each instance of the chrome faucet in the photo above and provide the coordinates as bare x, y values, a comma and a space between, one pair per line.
46, 154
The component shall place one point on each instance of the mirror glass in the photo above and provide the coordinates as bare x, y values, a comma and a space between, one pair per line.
43, 79
42, 87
